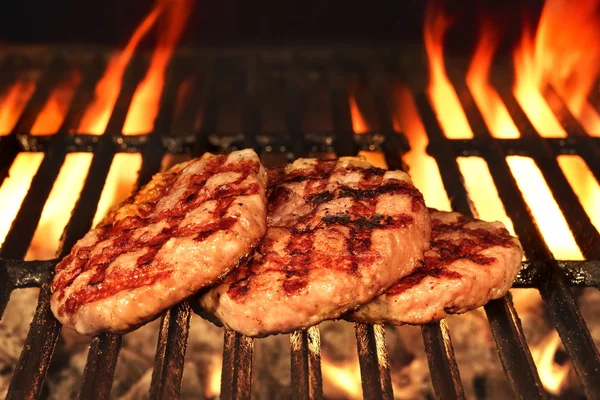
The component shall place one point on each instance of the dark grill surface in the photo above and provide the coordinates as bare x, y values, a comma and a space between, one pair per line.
248, 73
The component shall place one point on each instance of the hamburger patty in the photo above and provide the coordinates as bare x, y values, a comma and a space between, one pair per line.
469, 263
180, 233
339, 233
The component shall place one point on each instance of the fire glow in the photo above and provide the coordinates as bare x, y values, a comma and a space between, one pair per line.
563, 52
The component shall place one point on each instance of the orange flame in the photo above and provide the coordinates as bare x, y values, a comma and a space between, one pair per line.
487, 99
584, 184
552, 375
53, 113
443, 96
120, 182
527, 91
552, 223
563, 52
212, 388
13, 102
422, 168
96, 117
341, 378
482, 191
58, 207
145, 102
359, 125
15, 186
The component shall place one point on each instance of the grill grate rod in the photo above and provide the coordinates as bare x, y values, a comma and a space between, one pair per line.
236, 377
306, 364
500, 313
505, 326
562, 307
35, 357
167, 372
104, 356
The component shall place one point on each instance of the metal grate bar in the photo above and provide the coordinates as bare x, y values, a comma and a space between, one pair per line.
340, 110
442, 363
9, 146
373, 360
306, 364
26, 221
513, 350
29, 374
295, 100
174, 328
375, 372
452, 180
8, 73
395, 143
5, 288
207, 101
170, 353
32, 366
236, 376
504, 322
100, 366
104, 356
585, 145
251, 113
579, 222
552, 283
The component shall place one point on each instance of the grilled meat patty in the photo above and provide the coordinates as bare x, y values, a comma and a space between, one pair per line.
469, 263
180, 233
339, 233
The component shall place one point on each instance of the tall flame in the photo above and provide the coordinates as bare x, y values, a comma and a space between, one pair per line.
422, 168
552, 375
96, 117
58, 207
15, 186
444, 98
487, 99
145, 102
359, 125
13, 102
552, 223
564, 52
53, 113
341, 379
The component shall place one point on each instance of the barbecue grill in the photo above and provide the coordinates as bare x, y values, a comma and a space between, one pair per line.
253, 71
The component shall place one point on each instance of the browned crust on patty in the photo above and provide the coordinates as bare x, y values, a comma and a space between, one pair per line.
469, 263
141, 226
322, 218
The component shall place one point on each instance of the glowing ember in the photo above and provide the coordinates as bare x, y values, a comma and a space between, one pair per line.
551, 374
145, 102
488, 101
13, 102
120, 182
552, 223
359, 125
96, 117
584, 184
212, 388
564, 51
15, 186
444, 98
57, 210
341, 379
422, 168
482, 191
54, 111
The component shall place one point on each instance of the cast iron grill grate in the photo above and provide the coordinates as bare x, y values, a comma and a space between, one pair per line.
542, 271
